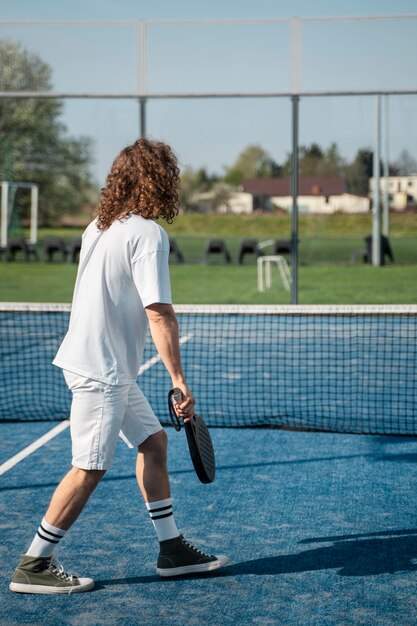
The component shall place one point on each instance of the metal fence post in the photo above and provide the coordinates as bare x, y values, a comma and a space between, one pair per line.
294, 193
376, 209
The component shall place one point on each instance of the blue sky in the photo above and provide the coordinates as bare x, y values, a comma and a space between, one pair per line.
185, 9
208, 133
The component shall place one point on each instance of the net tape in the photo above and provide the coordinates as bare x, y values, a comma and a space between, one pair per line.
335, 368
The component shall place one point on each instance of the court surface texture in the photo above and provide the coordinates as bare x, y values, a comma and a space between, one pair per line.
320, 529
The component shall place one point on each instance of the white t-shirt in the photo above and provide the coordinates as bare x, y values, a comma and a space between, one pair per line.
122, 270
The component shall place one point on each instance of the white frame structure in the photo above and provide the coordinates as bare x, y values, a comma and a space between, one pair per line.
265, 263
5, 215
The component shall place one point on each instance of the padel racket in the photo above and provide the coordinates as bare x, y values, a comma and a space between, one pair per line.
198, 438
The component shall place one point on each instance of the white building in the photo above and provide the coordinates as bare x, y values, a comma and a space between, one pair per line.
237, 202
402, 190
344, 203
319, 194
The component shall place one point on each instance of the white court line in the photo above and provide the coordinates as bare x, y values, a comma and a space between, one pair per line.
56, 430
33, 446
157, 358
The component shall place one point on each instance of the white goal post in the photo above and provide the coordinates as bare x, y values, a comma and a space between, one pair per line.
7, 188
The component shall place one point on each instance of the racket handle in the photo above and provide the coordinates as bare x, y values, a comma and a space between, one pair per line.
177, 395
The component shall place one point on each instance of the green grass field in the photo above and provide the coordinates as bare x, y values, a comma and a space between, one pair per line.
195, 284
271, 225
331, 268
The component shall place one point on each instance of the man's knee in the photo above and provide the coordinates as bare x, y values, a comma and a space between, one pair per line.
88, 478
155, 444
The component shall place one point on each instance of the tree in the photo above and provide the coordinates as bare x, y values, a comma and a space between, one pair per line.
252, 162
405, 164
34, 144
310, 159
194, 181
314, 162
221, 195
360, 171
332, 163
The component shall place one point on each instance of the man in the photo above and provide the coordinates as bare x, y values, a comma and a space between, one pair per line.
122, 285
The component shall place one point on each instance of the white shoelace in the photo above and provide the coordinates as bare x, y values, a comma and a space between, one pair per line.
58, 570
193, 548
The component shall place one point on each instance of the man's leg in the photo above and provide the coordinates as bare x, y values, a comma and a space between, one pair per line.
152, 476
97, 412
37, 571
151, 468
177, 556
71, 496
66, 504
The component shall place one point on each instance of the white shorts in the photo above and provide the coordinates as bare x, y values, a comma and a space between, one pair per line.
101, 413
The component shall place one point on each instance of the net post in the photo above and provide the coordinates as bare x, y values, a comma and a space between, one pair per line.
294, 192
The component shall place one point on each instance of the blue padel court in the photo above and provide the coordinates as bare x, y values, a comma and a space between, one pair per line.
319, 526
320, 529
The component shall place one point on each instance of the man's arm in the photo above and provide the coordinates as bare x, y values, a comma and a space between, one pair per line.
163, 325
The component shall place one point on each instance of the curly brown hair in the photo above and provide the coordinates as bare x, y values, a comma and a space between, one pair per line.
143, 180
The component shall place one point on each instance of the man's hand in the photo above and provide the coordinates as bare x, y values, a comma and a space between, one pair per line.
185, 407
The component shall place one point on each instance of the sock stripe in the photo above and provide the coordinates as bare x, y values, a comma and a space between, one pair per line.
46, 538
48, 532
162, 508
161, 516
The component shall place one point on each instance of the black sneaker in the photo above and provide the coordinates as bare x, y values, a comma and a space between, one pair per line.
46, 575
178, 557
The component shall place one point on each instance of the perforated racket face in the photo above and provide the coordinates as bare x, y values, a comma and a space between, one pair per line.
201, 449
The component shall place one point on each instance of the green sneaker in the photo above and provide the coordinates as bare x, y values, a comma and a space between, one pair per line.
45, 575
178, 557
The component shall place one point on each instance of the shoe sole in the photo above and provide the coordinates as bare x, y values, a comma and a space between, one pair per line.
26, 588
193, 569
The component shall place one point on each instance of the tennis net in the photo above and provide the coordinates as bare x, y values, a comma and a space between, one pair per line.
334, 368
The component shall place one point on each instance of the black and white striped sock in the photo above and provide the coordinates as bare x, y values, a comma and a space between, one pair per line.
162, 518
46, 539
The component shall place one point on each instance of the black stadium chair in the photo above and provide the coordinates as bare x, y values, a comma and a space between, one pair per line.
18, 245
217, 246
248, 246
74, 251
175, 251
54, 245
386, 250
282, 246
